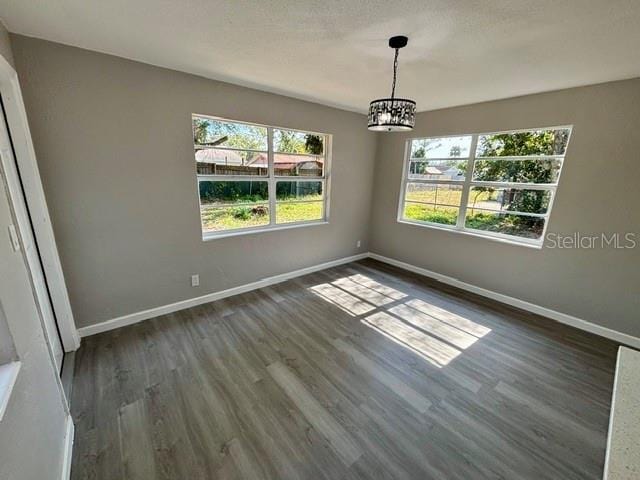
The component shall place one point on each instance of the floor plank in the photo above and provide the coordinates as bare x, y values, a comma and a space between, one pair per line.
371, 368
135, 437
316, 414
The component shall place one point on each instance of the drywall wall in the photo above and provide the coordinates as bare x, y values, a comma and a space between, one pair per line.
32, 431
125, 212
7, 348
114, 146
598, 192
5, 45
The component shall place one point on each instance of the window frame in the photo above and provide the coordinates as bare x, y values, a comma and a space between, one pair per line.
271, 180
468, 183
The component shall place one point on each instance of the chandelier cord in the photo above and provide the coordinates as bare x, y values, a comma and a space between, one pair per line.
395, 72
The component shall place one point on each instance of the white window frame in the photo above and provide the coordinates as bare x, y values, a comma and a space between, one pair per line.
272, 180
468, 183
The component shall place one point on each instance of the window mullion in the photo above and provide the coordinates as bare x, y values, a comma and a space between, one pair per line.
272, 180
433, 181
406, 165
466, 187
516, 185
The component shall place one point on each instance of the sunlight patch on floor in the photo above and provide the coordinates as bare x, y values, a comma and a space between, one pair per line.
431, 332
431, 349
452, 319
365, 293
378, 287
434, 327
341, 299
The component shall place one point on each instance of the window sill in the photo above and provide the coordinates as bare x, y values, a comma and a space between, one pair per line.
535, 246
206, 237
8, 377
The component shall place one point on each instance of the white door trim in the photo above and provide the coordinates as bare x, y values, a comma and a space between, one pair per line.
65, 473
37, 205
21, 230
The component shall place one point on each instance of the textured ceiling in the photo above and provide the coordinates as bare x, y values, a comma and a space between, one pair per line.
334, 51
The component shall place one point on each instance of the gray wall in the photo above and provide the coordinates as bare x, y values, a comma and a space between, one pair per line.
114, 146
32, 430
5, 45
7, 347
125, 212
598, 192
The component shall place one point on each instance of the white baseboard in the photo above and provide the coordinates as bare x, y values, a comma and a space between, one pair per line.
192, 302
516, 302
68, 450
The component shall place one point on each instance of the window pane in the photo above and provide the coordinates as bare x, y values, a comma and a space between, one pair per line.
291, 141
220, 161
231, 218
445, 147
434, 193
437, 169
508, 199
430, 213
298, 191
217, 133
518, 171
232, 205
506, 223
532, 142
287, 212
225, 193
290, 165
299, 201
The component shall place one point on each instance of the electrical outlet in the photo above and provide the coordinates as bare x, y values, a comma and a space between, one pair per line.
195, 280
358, 244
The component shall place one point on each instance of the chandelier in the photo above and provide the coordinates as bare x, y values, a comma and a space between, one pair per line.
393, 114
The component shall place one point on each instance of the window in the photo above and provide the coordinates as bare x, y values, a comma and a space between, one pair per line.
498, 185
255, 178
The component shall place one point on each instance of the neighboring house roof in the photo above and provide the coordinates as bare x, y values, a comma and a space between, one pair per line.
445, 172
257, 160
230, 157
216, 155
432, 171
285, 160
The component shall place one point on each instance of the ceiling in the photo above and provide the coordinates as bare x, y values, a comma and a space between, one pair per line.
335, 52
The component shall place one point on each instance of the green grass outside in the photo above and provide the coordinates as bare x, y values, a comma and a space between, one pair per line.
506, 224
298, 212
239, 216
431, 213
216, 219
246, 216
448, 197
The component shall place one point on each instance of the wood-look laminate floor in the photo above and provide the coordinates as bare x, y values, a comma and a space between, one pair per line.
361, 371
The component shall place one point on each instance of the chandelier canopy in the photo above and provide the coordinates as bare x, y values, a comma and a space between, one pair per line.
393, 114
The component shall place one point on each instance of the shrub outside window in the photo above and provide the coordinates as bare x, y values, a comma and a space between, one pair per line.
255, 178
499, 185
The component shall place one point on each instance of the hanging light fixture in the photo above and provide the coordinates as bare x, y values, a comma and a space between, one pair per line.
393, 114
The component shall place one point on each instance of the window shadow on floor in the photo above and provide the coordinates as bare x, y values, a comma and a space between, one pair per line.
434, 333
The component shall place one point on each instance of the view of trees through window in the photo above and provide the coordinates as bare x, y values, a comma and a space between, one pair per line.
510, 189
245, 171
